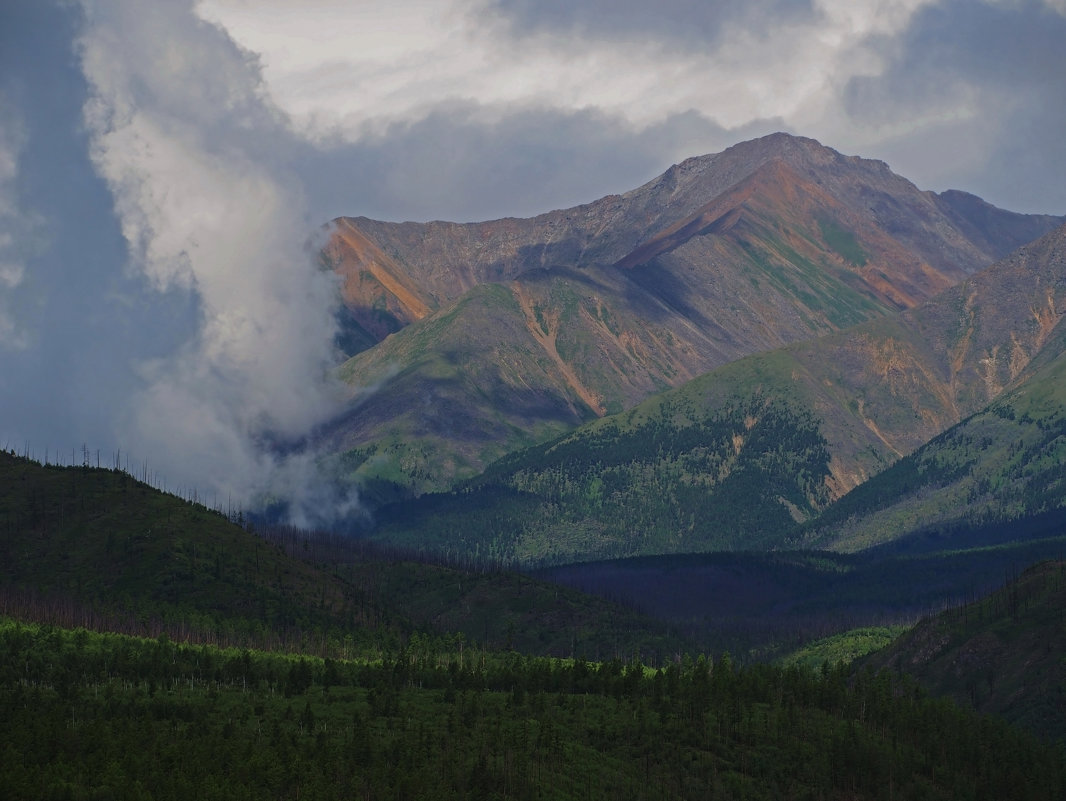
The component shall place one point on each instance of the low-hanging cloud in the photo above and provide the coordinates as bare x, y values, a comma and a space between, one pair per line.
181, 133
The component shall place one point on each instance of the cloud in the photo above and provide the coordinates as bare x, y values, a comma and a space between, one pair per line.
455, 165
694, 24
865, 78
182, 135
973, 96
19, 230
79, 321
352, 71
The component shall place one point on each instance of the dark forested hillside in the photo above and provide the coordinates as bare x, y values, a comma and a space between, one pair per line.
1002, 654
103, 541
97, 547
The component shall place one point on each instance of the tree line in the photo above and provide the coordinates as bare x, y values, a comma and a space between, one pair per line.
91, 716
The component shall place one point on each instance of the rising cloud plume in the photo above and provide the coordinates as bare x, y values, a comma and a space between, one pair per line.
181, 133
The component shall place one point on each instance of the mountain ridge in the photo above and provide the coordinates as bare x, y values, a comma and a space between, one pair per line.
460, 255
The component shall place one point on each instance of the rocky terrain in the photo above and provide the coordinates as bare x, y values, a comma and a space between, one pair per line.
494, 336
760, 452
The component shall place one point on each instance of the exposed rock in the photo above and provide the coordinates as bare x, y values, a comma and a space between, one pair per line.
770, 242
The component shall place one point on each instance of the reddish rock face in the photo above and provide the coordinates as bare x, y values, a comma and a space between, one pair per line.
594, 308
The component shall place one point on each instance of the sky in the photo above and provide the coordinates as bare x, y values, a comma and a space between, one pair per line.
167, 166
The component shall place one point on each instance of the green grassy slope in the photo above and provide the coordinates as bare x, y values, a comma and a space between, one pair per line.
845, 647
462, 388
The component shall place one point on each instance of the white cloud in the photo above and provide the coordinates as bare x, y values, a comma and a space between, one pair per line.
354, 68
11, 274
370, 75
181, 134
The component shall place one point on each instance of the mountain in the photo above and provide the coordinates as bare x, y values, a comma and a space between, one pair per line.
1000, 464
493, 336
740, 457
1001, 655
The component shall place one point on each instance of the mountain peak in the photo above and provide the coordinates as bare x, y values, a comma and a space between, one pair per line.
513, 326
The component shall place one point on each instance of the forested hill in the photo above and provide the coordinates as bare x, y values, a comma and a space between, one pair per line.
1002, 654
683, 479
105, 542
97, 547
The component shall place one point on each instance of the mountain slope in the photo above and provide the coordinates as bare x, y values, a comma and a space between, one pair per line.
1001, 655
739, 457
506, 333
406, 270
997, 465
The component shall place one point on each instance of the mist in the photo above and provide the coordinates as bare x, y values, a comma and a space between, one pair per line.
181, 134
193, 330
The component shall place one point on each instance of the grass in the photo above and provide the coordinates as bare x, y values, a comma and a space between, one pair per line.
842, 242
845, 647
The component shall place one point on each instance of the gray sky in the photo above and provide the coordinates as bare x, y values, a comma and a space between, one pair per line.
164, 163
